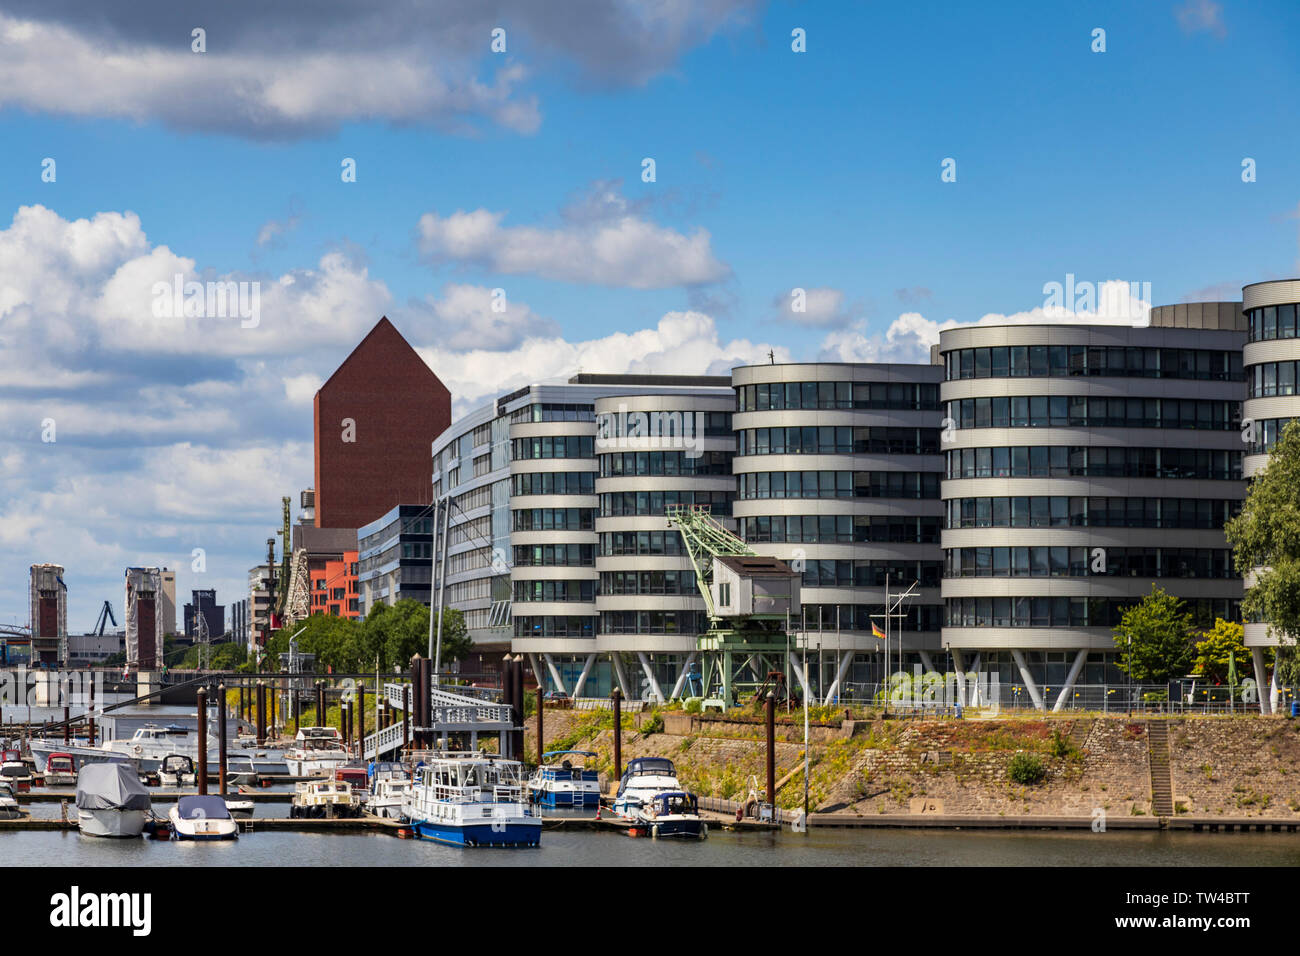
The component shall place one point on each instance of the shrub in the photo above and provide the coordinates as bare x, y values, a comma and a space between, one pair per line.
655, 725
694, 705
1026, 768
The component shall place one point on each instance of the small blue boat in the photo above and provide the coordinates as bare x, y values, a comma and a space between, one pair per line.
561, 784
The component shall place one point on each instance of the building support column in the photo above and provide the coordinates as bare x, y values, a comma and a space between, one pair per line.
555, 674
650, 676
1257, 657
833, 692
1273, 692
1079, 659
682, 674
959, 666
582, 678
976, 698
617, 660
926, 662
1028, 680
797, 666
537, 672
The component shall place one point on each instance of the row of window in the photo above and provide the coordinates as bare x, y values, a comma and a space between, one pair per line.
554, 483
630, 503
840, 529
555, 555
1082, 461
1042, 562
555, 591
831, 573
648, 582
1068, 612
838, 484
1272, 378
1083, 411
628, 463
553, 412
553, 519
775, 396
1272, 322
1036, 361
837, 440
653, 622
553, 446
615, 543
1063, 512
661, 426
860, 617
555, 626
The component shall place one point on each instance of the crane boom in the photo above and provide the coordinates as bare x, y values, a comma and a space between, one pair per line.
705, 538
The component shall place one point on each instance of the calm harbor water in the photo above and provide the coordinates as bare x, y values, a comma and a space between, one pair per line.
559, 848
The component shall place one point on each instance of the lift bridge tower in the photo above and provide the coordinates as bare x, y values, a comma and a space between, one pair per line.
750, 600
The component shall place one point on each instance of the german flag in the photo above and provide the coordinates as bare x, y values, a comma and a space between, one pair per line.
877, 632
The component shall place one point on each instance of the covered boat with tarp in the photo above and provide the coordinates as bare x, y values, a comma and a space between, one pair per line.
111, 800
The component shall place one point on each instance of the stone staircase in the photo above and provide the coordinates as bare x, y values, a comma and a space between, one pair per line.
1079, 732
1162, 789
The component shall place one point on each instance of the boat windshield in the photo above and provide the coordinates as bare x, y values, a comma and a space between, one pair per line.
655, 766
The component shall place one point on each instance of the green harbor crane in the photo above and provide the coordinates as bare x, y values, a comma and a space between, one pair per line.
749, 599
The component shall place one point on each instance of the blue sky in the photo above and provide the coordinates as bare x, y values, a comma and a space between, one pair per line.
522, 171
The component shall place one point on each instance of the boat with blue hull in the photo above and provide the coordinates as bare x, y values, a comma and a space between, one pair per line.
472, 800
672, 813
560, 784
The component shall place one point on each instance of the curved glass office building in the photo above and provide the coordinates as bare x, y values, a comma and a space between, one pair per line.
1085, 463
655, 451
838, 473
1271, 359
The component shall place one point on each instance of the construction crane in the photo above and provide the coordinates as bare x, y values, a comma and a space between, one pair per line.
749, 599
286, 548
105, 615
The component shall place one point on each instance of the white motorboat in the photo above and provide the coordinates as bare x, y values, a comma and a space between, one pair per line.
9, 808
60, 771
111, 801
15, 771
324, 800
317, 752
240, 809
671, 813
177, 770
472, 799
387, 797
644, 779
202, 818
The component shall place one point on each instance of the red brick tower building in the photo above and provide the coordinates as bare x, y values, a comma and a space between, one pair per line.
374, 424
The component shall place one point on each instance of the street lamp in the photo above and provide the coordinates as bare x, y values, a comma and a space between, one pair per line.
1128, 671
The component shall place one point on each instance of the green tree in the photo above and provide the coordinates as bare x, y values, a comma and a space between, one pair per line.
1154, 639
398, 632
1212, 653
1265, 537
